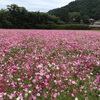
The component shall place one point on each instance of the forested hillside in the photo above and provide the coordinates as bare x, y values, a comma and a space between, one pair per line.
78, 11
75, 15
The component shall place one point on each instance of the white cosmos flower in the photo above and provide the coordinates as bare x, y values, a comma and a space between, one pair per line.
40, 66
86, 98
76, 98
19, 98
29, 91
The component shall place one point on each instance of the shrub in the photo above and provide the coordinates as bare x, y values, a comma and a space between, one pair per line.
63, 26
77, 26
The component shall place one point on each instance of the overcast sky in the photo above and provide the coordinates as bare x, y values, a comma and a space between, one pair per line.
36, 5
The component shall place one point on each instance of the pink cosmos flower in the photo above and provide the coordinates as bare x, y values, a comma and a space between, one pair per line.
47, 76
33, 97
75, 91
45, 95
54, 95
38, 94
34, 91
25, 86
69, 83
73, 82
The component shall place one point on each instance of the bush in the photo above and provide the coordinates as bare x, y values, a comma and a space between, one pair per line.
77, 26
41, 26
63, 26
46, 26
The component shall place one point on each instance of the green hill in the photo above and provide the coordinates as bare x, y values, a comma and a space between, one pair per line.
78, 11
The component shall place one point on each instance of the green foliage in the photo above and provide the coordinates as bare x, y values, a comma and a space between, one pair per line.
76, 26
96, 69
63, 26
5, 19
74, 17
79, 10
18, 17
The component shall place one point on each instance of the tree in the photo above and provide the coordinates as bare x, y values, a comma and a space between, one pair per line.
85, 19
74, 17
5, 19
18, 17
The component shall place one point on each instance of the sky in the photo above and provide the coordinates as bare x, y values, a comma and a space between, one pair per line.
36, 5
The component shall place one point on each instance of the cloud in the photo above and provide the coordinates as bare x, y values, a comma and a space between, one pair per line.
36, 5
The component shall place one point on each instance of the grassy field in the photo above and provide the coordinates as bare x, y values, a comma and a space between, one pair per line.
49, 65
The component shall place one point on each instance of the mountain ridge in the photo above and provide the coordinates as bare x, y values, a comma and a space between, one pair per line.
78, 10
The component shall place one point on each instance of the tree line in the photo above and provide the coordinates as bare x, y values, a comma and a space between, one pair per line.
19, 17
16, 17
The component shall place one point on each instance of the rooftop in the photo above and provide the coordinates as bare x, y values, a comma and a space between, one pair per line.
96, 24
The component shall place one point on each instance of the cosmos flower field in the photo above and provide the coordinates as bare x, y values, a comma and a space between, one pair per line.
49, 65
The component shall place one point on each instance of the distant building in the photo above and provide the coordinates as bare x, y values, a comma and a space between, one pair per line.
97, 22
95, 25
91, 20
